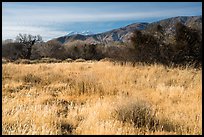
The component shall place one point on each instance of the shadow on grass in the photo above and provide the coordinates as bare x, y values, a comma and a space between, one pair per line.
66, 128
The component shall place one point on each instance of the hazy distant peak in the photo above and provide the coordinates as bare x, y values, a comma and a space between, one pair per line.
86, 32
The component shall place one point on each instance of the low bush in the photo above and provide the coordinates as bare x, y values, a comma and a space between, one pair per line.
49, 60
80, 60
22, 61
106, 59
68, 60
4, 61
137, 113
30, 78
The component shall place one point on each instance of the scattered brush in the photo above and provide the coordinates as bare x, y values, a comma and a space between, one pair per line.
22, 61
107, 60
68, 60
49, 60
80, 60
4, 61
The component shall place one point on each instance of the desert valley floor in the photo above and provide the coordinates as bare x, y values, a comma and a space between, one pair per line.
100, 98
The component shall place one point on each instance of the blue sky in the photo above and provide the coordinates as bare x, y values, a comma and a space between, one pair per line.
52, 19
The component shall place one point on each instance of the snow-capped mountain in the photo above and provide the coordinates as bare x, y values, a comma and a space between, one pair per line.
123, 34
82, 33
86, 33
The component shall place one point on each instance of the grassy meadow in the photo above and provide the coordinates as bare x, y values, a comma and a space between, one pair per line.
100, 97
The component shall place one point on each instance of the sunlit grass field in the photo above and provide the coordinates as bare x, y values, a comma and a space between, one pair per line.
100, 98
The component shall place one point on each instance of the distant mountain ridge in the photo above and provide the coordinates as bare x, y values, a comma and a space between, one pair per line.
124, 33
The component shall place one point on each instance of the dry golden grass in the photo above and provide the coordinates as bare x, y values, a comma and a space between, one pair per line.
100, 98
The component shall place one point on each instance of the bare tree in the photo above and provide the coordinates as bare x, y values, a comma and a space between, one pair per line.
28, 41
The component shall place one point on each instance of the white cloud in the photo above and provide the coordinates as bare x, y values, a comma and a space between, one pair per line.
41, 20
60, 15
46, 33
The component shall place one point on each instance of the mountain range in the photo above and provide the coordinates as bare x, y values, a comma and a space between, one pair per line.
124, 33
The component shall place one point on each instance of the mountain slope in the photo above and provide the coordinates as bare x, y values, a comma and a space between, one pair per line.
114, 35
123, 34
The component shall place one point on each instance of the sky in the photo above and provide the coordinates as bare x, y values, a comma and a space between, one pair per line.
55, 19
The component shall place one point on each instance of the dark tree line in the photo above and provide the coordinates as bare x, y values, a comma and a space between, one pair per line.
148, 46
187, 48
